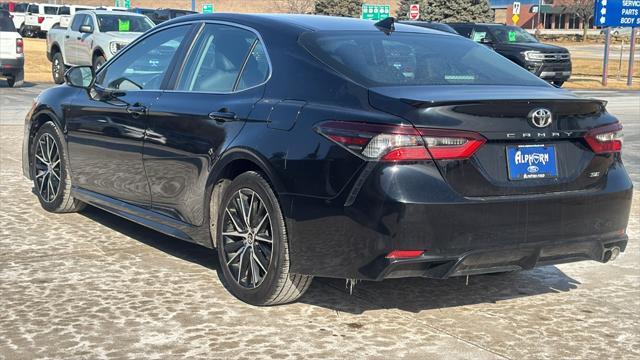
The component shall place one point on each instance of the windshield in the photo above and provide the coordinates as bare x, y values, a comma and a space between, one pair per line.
512, 34
372, 58
123, 23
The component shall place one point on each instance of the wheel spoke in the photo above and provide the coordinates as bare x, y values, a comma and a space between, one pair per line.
240, 270
260, 238
42, 173
254, 270
233, 247
262, 262
234, 256
250, 210
244, 213
56, 175
42, 185
233, 220
259, 227
42, 151
41, 159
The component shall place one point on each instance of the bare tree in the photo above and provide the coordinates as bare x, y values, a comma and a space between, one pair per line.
583, 10
296, 6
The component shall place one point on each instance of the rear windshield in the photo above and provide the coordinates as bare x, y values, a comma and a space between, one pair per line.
372, 58
6, 24
123, 23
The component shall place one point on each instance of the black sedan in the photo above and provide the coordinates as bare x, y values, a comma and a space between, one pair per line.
303, 146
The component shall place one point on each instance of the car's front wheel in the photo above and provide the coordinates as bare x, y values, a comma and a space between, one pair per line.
50, 171
98, 61
252, 244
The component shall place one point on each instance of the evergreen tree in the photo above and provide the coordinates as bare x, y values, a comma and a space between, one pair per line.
349, 8
458, 11
403, 9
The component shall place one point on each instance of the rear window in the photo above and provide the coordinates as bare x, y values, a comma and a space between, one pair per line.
20, 8
6, 24
372, 58
34, 9
50, 10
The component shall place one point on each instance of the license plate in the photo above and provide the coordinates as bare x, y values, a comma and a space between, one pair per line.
526, 162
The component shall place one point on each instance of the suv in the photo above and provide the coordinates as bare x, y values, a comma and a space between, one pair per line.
161, 15
11, 51
549, 62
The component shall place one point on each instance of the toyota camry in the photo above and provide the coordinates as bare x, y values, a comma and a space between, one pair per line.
302, 146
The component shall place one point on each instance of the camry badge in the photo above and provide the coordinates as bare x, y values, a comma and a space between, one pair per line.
540, 117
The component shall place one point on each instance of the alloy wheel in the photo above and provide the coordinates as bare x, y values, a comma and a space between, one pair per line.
47, 168
247, 238
56, 69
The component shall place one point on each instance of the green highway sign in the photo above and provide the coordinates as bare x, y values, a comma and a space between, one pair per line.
123, 3
207, 8
375, 12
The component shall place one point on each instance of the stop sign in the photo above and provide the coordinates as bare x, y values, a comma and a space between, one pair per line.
414, 11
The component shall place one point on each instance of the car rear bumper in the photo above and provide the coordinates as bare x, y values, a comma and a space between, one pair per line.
410, 207
11, 66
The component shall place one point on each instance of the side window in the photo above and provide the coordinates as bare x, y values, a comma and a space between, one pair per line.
143, 66
63, 10
33, 8
50, 10
464, 30
256, 70
88, 20
77, 22
481, 32
216, 59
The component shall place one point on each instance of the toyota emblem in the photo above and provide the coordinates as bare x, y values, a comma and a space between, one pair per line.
540, 117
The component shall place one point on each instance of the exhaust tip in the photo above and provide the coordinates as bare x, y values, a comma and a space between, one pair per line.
615, 252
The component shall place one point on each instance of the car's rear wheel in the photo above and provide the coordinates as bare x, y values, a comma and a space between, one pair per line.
49, 171
252, 244
57, 68
16, 80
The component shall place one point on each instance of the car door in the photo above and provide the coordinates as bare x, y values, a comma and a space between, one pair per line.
107, 125
71, 40
85, 57
222, 78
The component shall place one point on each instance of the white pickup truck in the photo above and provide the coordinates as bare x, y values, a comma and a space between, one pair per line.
66, 12
39, 19
93, 37
11, 51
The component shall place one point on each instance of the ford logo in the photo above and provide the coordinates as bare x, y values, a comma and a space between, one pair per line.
532, 169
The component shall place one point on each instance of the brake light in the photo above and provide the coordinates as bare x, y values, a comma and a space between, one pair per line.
19, 46
401, 142
404, 254
605, 139
40, 19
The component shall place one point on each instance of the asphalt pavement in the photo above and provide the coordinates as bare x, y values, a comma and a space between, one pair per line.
92, 285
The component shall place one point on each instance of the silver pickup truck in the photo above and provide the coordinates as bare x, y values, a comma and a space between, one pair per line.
93, 38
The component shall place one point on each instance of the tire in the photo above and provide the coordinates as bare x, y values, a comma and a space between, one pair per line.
52, 184
57, 68
98, 61
273, 282
16, 80
558, 83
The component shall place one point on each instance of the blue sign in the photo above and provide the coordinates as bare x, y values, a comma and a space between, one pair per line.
625, 13
531, 162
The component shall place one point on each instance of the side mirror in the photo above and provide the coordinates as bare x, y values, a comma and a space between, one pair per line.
80, 77
86, 29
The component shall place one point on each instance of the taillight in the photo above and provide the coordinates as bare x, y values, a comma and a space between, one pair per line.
19, 46
40, 19
404, 254
605, 139
401, 142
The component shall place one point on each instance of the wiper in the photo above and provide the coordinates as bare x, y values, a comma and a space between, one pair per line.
387, 25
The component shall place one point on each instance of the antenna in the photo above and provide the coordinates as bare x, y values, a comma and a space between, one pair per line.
386, 25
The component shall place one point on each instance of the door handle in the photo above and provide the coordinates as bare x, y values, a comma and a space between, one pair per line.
223, 115
66, 37
78, 38
137, 110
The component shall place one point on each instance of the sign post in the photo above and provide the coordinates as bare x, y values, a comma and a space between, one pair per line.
632, 50
625, 13
375, 12
516, 12
414, 11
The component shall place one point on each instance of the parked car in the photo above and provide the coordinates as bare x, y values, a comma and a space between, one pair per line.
161, 15
620, 31
67, 11
11, 51
432, 25
302, 146
550, 62
40, 18
17, 11
92, 39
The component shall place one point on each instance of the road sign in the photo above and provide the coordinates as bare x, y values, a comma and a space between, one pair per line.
375, 12
516, 8
207, 8
123, 3
515, 19
617, 13
414, 11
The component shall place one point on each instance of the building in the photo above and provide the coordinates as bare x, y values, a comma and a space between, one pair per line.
552, 14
